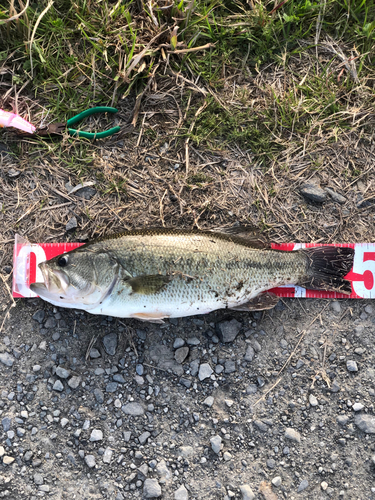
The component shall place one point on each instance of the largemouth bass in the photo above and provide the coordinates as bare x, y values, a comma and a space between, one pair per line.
151, 274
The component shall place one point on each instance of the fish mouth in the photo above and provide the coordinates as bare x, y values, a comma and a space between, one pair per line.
55, 282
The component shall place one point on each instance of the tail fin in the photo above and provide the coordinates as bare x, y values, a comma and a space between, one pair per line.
327, 267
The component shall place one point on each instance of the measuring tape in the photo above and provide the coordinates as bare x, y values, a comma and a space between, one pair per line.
27, 256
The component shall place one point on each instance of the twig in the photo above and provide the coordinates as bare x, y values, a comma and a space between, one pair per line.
193, 49
13, 18
43, 13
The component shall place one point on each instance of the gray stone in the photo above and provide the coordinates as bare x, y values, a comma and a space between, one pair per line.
313, 192
74, 382
186, 451
62, 372
261, 425
292, 435
194, 366
38, 478
216, 444
270, 462
163, 471
336, 196
193, 341
229, 366
276, 481
302, 485
336, 306
246, 492
119, 378
227, 456
358, 406
228, 330
251, 389
342, 419
71, 224
181, 354
366, 423
57, 386
143, 437
44, 487
107, 456
351, 366
6, 422
133, 409
335, 386
205, 371
64, 422
181, 493
6, 359
99, 396
178, 343
90, 461
139, 369
39, 316
111, 387
185, 382
87, 193
250, 353
151, 489
209, 401
312, 400
94, 353
50, 323
110, 343
96, 435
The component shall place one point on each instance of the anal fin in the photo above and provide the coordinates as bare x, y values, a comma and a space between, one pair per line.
260, 303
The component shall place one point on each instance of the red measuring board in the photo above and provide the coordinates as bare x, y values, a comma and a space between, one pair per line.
27, 256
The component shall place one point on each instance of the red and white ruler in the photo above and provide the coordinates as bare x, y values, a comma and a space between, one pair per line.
27, 256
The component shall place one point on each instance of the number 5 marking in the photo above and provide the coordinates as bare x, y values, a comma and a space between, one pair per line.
364, 264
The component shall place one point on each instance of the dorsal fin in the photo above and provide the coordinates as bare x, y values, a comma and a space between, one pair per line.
251, 234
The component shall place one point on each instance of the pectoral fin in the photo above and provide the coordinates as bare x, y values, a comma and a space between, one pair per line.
260, 303
150, 317
148, 284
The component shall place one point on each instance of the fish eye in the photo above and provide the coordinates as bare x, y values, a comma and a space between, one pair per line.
63, 261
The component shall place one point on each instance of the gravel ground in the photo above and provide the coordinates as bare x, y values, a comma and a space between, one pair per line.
192, 409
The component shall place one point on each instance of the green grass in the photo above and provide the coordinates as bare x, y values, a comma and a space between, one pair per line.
83, 55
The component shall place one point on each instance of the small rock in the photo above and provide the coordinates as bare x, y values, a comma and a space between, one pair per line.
246, 492
336, 306
151, 489
96, 435
229, 366
342, 419
64, 422
6, 423
6, 359
366, 423
163, 471
139, 369
228, 330
186, 451
57, 386
178, 343
133, 409
62, 372
292, 435
336, 196
194, 366
271, 463
94, 353
261, 425
39, 316
110, 343
312, 400
38, 478
302, 485
193, 341
205, 371
71, 224
251, 389
313, 192
276, 481
324, 485
358, 406
143, 437
107, 456
74, 382
86, 192
209, 401
99, 396
335, 386
90, 461
227, 456
50, 323
181, 354
111, 387
216, 444
8, 460
250, 353
351, 366
181, 493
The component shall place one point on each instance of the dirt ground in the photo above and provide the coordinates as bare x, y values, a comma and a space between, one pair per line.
94, 407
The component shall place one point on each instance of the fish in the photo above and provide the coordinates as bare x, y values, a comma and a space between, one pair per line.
157, 273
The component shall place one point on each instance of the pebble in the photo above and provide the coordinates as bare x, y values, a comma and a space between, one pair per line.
324, 485
94, 353
111, 387
351, 366
99, 396
342, 419
302, 485
64, 422
250, 353
336, 196
292, 435
358, 406
7, 460
178, 343
6, 423
209, 401
205, 371
38, 478
144, 437
313, 192
6, 359
336, 306
50, 323
194, 367
39, 316
133, 409
96, 435
151, 489
74, 382
71, 224
227, 456
181, 354
312, 400
90, 461
193, 341
181, 493
62, 372
276, 481
261, 425
216, 444
365, 422
2, 451
110, 343
228, 330
57, 386
229, 366
140, 370
107, 456
246, 492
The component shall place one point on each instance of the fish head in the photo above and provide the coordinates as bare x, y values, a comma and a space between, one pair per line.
75, 279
